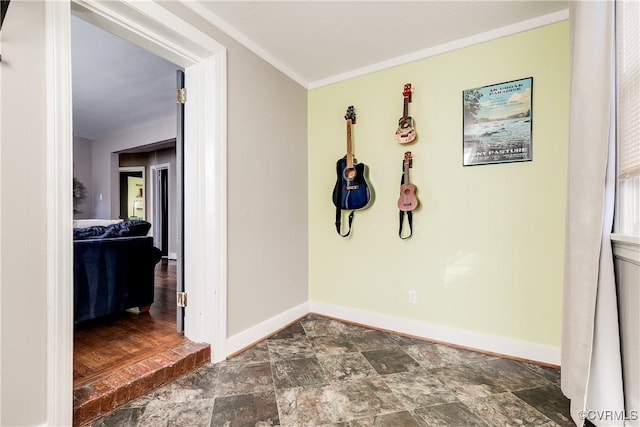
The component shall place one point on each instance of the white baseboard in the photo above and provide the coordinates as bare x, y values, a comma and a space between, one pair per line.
487, 343
508, 347
172, 256
262, 330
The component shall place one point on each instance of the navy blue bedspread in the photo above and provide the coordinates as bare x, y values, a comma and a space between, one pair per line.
112, 274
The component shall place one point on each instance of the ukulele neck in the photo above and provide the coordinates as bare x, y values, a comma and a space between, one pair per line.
406, 173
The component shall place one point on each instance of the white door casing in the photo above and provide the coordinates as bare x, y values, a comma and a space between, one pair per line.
158, 30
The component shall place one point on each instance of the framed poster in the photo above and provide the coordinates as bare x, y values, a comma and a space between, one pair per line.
497, 123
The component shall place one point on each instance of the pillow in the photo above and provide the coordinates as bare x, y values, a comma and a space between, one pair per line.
93, 232
84, 223
131, 228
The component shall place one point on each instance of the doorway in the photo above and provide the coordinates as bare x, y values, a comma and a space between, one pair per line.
204, 59
125, 342
160, 191
132, 193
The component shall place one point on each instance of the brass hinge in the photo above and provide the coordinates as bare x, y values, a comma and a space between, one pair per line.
181, 298
181, 96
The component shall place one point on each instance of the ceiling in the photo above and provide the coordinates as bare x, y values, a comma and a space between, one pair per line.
313, 42
319, 41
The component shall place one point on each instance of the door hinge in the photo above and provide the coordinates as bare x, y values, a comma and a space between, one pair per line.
181, 298
181, 96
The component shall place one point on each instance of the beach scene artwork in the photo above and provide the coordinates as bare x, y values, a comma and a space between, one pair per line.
497, 123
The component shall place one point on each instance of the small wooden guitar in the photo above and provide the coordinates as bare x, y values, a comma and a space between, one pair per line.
351, 190
408, 200
406, 133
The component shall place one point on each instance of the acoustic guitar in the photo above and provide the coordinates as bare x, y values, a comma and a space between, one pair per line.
408, 200
406, 132
351, 190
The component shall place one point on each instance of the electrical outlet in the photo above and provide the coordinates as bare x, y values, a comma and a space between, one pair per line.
413, 297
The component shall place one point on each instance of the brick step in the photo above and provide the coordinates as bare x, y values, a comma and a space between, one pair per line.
102, 395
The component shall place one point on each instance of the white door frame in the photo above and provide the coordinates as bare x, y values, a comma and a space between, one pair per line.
154, 209
144, 191
158, 30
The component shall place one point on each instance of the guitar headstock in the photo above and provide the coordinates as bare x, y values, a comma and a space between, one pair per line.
408, 160
407, 91
351, 114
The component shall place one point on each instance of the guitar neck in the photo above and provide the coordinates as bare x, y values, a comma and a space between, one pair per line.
349, 149
405, 109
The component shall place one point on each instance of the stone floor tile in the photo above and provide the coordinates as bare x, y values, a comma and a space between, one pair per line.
244, 378
550, 401
308, 406
396, 419
367, 397
124, 417
454, 414
298, 373
255, 354
194, 413
510, 374
371, 340
506, 410
294, 330
467, 382
320, 327
390, 361
346, 367
323, 373
290, 348
419, 388
329, 345
258, 409
199, 384
547, 372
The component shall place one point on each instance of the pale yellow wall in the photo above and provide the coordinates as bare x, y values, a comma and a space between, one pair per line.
487, 251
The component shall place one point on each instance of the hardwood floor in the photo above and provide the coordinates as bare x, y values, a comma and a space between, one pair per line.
118, 358
104, 345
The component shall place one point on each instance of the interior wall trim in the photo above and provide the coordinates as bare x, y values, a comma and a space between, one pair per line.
152, 27
509, 30
504, 346
59, 286
259, 332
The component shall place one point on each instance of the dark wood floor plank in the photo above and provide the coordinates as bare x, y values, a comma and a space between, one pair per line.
103, 346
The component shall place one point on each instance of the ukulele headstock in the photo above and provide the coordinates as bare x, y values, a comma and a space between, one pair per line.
351, 114
407, 91
408, 160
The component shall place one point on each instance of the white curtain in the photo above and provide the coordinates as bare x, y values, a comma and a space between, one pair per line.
591, 361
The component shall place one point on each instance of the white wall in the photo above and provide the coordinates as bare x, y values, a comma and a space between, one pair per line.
627, 264
23, 227
82, 148
267, 206
267, 185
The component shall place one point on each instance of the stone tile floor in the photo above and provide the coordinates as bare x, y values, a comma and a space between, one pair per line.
322, 372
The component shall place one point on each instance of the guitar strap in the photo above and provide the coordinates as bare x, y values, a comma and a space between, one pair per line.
410, 220
339, 222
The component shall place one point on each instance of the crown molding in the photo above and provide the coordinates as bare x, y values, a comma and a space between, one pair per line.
509, 30
238, 36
